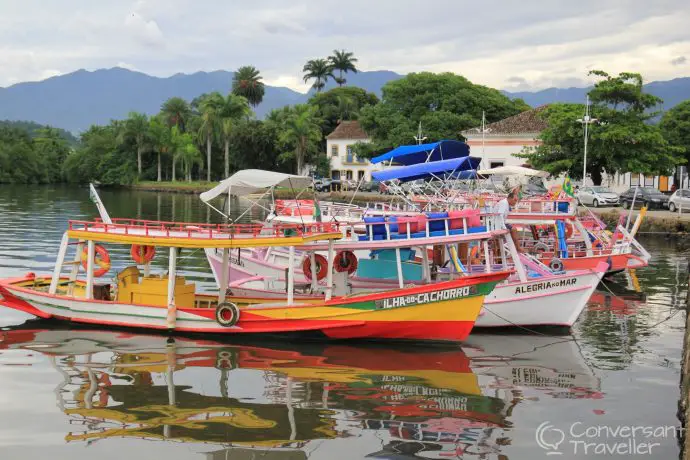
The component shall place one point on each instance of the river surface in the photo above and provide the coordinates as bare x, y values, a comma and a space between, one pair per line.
99, 394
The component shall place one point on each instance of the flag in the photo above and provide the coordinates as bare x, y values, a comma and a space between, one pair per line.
316, 212
568, 187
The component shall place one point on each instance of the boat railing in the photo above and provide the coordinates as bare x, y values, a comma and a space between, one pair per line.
426, 225
163, 229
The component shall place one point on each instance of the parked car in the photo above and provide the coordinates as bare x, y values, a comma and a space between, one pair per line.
679, 200
597, 196
323, 185
371, 186
646, 196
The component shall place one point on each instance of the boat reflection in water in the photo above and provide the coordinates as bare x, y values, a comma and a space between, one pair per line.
277, 399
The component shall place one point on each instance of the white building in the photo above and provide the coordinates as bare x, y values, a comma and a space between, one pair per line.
344, 163
504, 138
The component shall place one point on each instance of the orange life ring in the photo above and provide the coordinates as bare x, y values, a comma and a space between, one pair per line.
345, 261
100, 257
142, 254
568, 231
321, 267
474, 256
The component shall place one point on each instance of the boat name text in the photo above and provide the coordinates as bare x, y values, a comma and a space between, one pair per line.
545, 285
426, 297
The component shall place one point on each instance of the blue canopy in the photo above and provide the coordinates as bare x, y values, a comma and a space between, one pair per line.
461, 168
415, 154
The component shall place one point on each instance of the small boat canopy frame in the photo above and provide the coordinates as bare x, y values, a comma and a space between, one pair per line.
248, 181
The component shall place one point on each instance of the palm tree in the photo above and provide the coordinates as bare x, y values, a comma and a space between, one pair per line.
176, 112
347, 107
187, 152
302, 131
319, 70
247, 82
342, 61
234, 108
162, 139
136, 127
211, 109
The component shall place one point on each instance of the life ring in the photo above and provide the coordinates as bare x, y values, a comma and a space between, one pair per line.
227, 314
321, 267
539, 248
475, 258
556, 265
345, 261
142, 254
568, 231
100, 257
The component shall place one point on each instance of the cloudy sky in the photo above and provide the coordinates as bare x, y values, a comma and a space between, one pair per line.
508, 44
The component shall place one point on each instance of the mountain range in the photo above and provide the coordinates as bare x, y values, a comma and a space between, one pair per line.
79, 99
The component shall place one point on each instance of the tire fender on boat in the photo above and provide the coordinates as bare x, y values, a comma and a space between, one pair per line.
539, 248
345, 261
556, 265
227, 314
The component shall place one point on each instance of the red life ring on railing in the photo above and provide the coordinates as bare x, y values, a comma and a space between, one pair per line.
100, 257
142, 254
345, 261
568, 231
321, 267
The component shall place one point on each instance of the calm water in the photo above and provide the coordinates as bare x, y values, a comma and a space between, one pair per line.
89, 393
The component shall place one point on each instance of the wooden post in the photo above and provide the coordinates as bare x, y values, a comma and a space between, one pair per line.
291, 276
398, 263
487, 256
172, 275
224, 275
426, 270
683, 404
312, 262
58, 264
89, 269
329, 274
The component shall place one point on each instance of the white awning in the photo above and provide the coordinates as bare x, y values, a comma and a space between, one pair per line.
249, 181
512, 171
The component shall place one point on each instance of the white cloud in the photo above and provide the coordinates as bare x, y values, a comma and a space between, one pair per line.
542, 43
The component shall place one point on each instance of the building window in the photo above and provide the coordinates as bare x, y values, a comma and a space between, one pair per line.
334, 150
634, 179
360, 176
361, 160
350, 156
348, 175
495, 164
649, 181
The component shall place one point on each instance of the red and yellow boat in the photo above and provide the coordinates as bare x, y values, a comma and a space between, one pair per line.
443, 311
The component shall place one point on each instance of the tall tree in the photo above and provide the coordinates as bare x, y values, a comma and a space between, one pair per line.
176, 112
161, 140
247, 82
675, 126
445, 104
136, 127
622, 141
318, 70
343, 62
340, 104
234, 108
188, 154
299, 132
211, 112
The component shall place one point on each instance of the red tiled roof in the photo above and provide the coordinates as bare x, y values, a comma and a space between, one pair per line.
348, 130
527, 122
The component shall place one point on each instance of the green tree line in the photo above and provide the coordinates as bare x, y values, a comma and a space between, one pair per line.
216, 134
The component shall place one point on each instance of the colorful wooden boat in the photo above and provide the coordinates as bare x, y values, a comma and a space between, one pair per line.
444, 311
